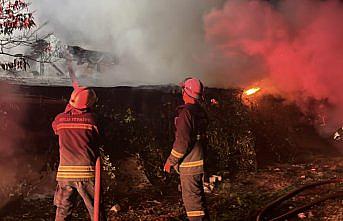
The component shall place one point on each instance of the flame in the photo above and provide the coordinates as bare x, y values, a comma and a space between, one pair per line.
252, 91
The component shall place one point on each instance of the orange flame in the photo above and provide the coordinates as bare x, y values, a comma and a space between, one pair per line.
252, 91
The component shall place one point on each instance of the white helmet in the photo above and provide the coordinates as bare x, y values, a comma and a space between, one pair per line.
193, 87
82, 98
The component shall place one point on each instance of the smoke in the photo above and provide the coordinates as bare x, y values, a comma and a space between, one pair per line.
11, 136
156, 42
296, 45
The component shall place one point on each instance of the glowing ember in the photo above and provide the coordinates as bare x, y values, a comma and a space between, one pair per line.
252, 91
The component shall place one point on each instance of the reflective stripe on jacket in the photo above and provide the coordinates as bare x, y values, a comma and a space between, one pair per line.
78, 141
75, 172
188, 148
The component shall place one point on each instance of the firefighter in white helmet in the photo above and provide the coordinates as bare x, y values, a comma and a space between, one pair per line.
82, 98
187, 154
79, 140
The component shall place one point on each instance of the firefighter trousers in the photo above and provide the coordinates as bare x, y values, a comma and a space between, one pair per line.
66, 195
193, 197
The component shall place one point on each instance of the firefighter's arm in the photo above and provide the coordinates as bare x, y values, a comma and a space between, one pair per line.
98, 133
183, 125
54, 125
101, 141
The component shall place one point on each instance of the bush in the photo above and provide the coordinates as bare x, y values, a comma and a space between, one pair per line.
230, 140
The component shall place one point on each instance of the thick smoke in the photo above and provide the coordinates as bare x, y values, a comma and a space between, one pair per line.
156, 42
297, 45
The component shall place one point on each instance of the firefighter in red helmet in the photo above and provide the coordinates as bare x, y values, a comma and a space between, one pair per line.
78, 134
187, 154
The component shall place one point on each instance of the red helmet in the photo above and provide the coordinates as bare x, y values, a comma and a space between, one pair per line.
82, 98
193, 87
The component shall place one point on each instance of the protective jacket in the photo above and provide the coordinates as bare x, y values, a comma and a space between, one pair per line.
187, 155
79, 142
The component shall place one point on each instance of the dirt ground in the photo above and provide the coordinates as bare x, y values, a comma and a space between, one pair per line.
235, 198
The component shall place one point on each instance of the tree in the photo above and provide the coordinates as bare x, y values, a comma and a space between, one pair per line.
16, 29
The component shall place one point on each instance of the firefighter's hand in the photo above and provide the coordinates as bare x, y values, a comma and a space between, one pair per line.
336, 136
167, 167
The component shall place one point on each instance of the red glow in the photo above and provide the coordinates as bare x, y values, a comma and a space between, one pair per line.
298, 42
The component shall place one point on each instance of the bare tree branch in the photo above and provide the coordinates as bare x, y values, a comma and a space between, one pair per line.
18, 29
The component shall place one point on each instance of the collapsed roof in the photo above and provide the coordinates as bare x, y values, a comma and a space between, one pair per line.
47, 58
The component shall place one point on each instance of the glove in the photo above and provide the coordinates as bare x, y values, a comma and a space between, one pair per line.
167, 167
336, 136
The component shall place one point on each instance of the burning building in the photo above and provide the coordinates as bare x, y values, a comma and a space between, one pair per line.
228, 44
45, 63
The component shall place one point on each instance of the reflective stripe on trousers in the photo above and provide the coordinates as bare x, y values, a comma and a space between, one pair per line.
193, 196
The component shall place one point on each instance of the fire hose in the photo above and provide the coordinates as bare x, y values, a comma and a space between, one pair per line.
97, 190
302, 208
96, 212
